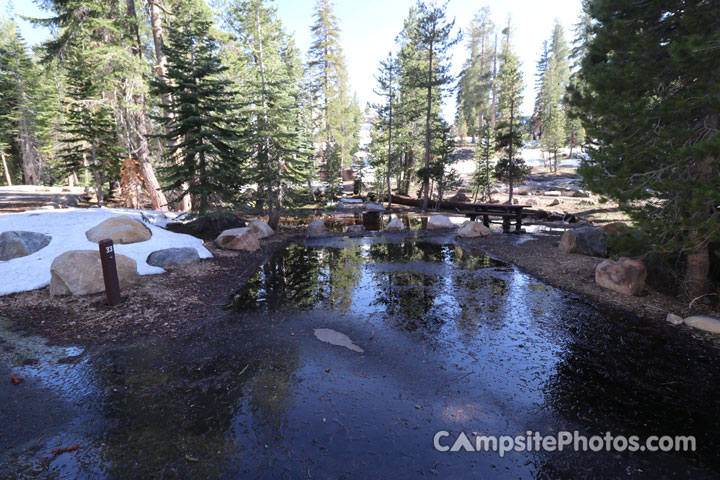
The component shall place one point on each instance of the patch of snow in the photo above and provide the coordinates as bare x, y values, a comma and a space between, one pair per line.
67, 228
336, 338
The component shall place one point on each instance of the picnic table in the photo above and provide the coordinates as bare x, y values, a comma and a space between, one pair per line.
505, 211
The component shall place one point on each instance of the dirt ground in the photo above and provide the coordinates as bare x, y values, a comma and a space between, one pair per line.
576, 273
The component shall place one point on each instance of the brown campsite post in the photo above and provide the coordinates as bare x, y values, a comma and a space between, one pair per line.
109, 268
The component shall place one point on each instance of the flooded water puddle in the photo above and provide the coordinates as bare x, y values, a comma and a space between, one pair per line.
343, 357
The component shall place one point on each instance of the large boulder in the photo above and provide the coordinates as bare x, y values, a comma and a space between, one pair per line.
238, 239
439, 222
584, 240
624, 276
374, 207
395, 225
260, 228
473, 230
16, 244
122, 229
707, 324
173, 256
316, 227
79, 272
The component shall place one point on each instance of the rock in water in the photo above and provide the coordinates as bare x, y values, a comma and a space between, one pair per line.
394, 225
336, 338
708, 324
173, 256
355, 229
316, 227
121, 229
473, 230
79, 272
260, 228
374, 207
16, 244
625, 276
238, 239
585, 240
439, 222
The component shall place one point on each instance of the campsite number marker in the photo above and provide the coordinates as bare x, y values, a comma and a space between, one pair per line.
109, 268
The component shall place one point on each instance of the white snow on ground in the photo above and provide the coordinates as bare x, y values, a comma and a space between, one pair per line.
67, 228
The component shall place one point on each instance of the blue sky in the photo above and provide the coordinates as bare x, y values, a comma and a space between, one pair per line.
369, 28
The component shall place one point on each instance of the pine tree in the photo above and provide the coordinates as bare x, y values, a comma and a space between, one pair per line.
538, 109
582, 30
484, 175
475, 81
90, 141
271, 140
552, 96
202, 122
650, 108
410, 111
387, 79
19, 91
510, 167
337, 126
107, 35
432, 38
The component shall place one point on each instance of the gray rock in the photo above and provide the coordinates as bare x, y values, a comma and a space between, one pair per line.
439, 222
261, 229
394, 225
586, 241
173, 256
316, 227
473, 230
707, 324
374, 207
355, 228
16, 244
238, 239
674, 319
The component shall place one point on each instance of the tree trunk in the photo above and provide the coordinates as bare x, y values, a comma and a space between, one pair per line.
511, 159
697, 270
185, 203
273, 171
390, 121
28, 154
157, 197
494, 89
98, 177
426, 179
8, 179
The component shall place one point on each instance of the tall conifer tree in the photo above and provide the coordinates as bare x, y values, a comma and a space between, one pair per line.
651, 109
